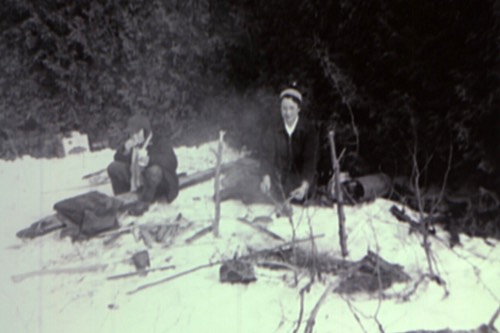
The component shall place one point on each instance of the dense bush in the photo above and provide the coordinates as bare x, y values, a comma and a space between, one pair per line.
395, 79
88, 65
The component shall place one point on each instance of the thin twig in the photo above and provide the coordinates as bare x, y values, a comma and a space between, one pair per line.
314, 269
303, 290
312, 317
491, 323
280, 208
172, 277
379, 280
351, 308
69, 270
445, 181
199, 234
143, 272
426, 244
261, 229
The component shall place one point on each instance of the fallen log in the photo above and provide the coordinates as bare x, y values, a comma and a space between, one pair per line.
184, 179
41, 227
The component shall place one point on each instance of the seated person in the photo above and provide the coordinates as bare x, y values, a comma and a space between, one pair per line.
290, 152
144, 164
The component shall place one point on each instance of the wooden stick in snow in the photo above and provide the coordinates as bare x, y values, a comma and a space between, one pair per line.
192, 270
338, 195
69, 270
199, 234
146, 271
215, 226
261, 229
491, 324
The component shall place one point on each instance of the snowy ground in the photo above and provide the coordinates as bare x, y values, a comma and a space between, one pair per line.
198, 302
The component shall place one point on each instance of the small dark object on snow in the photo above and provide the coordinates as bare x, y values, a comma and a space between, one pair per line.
141, 260
237, 271
372, 273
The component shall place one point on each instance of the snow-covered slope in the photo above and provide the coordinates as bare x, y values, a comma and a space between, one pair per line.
86, 301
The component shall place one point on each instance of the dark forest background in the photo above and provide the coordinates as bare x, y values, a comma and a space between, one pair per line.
407, 85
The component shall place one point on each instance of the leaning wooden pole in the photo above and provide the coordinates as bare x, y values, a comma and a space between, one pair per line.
338, 195
215, 226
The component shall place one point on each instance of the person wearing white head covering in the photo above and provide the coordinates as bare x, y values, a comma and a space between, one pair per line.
290, 152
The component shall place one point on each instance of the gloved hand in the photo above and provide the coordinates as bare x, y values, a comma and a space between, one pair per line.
300, 192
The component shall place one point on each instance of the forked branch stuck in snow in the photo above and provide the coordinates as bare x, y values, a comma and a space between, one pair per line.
338, 195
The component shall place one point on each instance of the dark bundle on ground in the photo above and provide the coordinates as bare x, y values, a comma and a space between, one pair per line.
370, 274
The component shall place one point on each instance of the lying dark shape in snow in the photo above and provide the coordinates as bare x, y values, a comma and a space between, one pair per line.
372, 273
237, 271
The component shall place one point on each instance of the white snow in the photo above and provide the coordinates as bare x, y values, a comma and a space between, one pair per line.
198, 302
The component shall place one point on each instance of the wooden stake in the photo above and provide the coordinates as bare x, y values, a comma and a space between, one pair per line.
338, 195
215, 226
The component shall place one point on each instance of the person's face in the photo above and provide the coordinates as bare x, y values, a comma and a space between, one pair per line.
138, 137
289, 111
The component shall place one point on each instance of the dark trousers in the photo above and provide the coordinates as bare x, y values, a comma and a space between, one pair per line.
154, 183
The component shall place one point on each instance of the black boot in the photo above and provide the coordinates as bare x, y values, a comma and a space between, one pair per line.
152, 177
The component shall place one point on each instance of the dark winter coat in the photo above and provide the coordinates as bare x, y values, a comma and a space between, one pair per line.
161, 153
291, 160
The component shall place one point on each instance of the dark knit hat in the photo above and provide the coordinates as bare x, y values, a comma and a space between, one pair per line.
138, 122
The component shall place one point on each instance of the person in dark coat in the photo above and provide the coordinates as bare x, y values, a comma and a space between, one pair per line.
290, 152
145, 164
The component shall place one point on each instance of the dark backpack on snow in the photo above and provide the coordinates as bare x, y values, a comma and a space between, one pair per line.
90, 213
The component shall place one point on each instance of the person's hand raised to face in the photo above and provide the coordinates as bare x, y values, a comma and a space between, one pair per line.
134, 140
